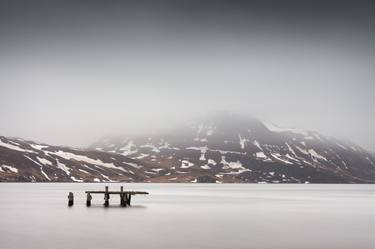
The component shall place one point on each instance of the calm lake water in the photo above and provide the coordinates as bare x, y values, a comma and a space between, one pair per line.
189, 216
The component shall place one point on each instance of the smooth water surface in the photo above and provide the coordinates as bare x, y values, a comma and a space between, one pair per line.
36, 215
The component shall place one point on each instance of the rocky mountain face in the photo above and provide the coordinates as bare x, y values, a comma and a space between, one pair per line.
221, 147
27, 161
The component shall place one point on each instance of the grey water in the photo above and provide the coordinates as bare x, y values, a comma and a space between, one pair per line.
259, 216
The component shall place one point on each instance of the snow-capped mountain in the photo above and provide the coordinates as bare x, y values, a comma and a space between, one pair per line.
28, 161
221, 147
224, 147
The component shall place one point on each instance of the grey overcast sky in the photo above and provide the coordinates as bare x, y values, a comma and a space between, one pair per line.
74, 71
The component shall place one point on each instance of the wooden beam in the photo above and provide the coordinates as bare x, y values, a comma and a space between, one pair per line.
118, 192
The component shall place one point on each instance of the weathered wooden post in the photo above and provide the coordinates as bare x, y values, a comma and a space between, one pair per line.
122, 198
106, 197
88, 201
128, 199
70, 199
125, 200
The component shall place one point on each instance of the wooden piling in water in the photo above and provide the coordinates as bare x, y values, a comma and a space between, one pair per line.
70, 199
106, 197
88, 200
122, 197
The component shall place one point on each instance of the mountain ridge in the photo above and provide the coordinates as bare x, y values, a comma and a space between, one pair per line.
220, 147
252, 143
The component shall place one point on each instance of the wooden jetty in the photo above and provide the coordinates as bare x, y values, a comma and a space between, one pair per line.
125, 196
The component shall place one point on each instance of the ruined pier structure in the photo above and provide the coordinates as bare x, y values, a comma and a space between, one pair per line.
125, 196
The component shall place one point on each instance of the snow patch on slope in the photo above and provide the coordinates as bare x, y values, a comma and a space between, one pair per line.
12, 169
75, 179
274, 128
260, 155
242, 141
38, 146
278, 157
43, 161
205, 167
69, 156
314, 154
63, 167
129, 148
14, 147
233, 165
186, 164
203, 151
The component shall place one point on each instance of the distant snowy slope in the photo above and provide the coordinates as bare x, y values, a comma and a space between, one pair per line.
224, 147
22, 160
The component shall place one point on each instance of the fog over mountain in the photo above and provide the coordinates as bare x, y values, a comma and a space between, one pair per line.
75, 71
220, 147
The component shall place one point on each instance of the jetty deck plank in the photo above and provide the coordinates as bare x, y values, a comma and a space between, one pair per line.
118, 192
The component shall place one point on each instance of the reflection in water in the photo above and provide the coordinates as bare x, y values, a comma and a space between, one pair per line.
116, 206
189, 216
